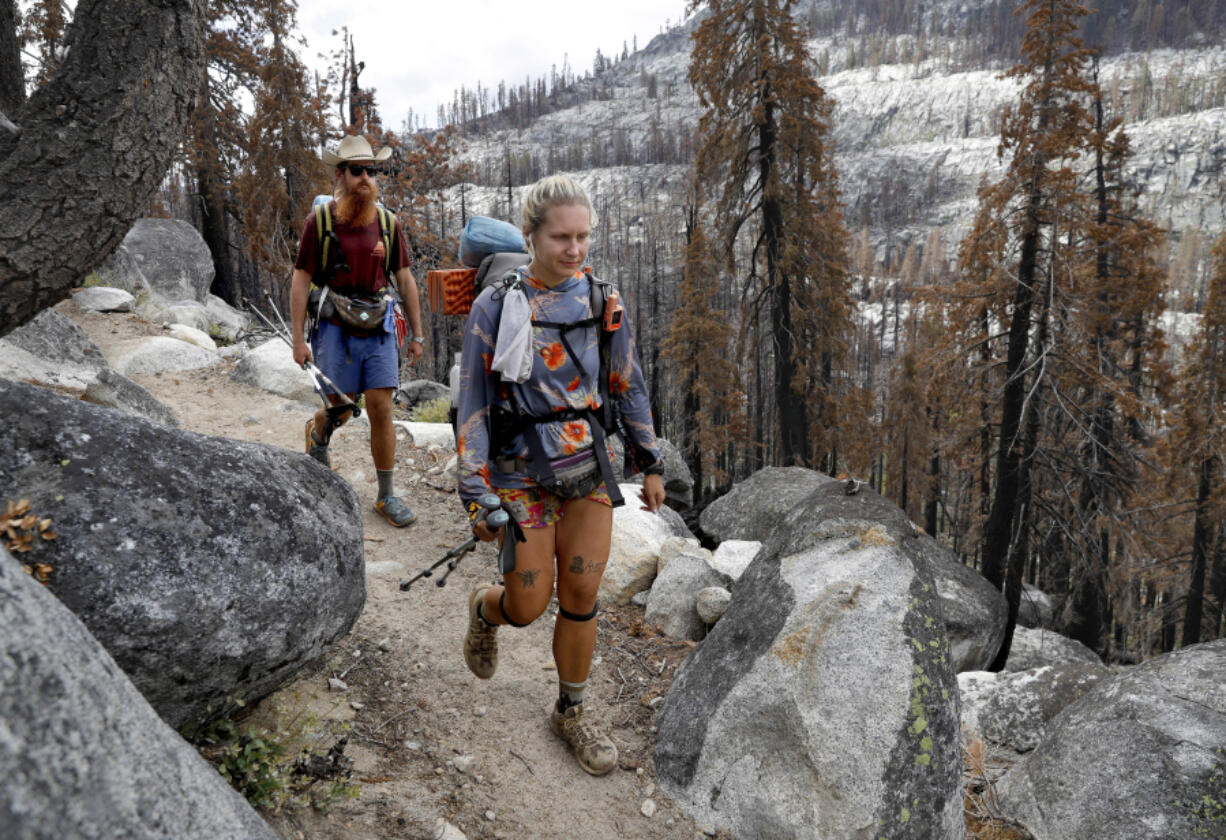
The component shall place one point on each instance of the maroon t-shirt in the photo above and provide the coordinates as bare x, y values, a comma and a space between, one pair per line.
363, 249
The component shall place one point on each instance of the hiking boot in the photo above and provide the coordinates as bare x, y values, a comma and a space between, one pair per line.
395, 511
318, 451
481, 640
593, 750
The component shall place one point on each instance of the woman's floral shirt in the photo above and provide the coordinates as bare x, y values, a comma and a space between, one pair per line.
556, 384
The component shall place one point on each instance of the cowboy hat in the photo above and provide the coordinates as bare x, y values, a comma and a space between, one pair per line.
355, 147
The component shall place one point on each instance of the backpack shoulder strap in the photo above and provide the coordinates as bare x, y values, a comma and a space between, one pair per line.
323, 237
599, 297
387, 230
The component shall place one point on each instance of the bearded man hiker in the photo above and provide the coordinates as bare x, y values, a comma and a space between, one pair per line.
355, 277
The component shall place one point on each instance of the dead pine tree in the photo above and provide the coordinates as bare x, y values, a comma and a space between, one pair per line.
767, 161
1011, 253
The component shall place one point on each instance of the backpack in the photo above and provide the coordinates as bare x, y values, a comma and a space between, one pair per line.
331, 257
504, 425
330, 246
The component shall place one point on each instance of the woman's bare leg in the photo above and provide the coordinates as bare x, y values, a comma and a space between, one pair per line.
583, 538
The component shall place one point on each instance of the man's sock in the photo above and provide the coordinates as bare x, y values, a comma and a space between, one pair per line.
385, 482
569, 694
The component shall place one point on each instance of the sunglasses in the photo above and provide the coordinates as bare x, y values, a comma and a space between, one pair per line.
356, 171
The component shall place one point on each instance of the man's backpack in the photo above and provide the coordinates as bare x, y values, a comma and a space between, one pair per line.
359, 316
331, 257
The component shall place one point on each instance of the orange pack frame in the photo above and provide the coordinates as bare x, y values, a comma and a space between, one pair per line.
451, 291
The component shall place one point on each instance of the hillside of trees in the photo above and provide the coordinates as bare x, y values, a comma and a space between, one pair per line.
1014, 388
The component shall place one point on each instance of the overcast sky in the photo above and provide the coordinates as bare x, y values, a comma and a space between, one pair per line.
418, 53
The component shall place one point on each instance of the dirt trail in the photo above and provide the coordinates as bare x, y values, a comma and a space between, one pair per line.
428, 739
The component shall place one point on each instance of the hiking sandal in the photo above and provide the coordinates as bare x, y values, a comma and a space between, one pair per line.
481, 640
395, 511
318, 451
593, 749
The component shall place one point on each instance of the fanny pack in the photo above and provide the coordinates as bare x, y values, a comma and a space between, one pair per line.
574, 477
357, 314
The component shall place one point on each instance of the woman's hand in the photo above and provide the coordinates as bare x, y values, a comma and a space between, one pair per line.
652, 494
485, 533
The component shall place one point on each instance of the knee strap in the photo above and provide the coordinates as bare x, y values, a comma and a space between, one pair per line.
570, 616
502, 608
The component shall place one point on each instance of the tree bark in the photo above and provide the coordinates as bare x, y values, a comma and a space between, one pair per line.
1202, 536
12, 84
95, 144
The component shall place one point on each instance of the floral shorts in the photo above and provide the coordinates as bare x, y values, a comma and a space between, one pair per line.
534, 507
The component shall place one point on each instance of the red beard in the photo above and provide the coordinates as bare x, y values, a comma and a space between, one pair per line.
357, 208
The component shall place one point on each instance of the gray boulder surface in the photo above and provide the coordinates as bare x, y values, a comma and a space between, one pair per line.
164, 256
51, 350
163, 354
82, 754
270, 367
209, 568
755, 508
685, 570
975, 611
1033, 648
1140, 755
114, 390
419, 391
824, 703
104, 299
674, 522
1012, 708
1035, 609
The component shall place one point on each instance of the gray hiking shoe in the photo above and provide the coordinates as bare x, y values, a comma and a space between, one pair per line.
318, 451
481, 640
395, 511
593, 749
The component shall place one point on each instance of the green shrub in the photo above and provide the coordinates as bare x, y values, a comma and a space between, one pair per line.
433, 411
272, 769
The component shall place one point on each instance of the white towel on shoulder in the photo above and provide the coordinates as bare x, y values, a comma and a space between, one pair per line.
513, 351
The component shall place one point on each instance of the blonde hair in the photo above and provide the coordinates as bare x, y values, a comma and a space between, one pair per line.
552, 191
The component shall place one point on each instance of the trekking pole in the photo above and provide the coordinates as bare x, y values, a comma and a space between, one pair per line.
495, 517
319, 379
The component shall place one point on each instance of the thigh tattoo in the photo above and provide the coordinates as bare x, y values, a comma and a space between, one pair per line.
527, 578
579, 566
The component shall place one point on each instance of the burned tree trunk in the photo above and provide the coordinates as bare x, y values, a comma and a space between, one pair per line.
95, 143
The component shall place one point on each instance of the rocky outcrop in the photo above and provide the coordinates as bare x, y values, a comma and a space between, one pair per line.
164, 257
755, 508
210, 569
684, 571
823, 704
1036, 648
163, 354
51, 350
1035, 610
974, 611
82, 753
1140, 755
421, 391
1011, 709
634, 554
270, 367
104, 299
114, 390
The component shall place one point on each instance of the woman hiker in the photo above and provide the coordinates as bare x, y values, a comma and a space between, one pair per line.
531, 392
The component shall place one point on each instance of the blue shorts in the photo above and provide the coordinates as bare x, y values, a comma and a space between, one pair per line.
356, 363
